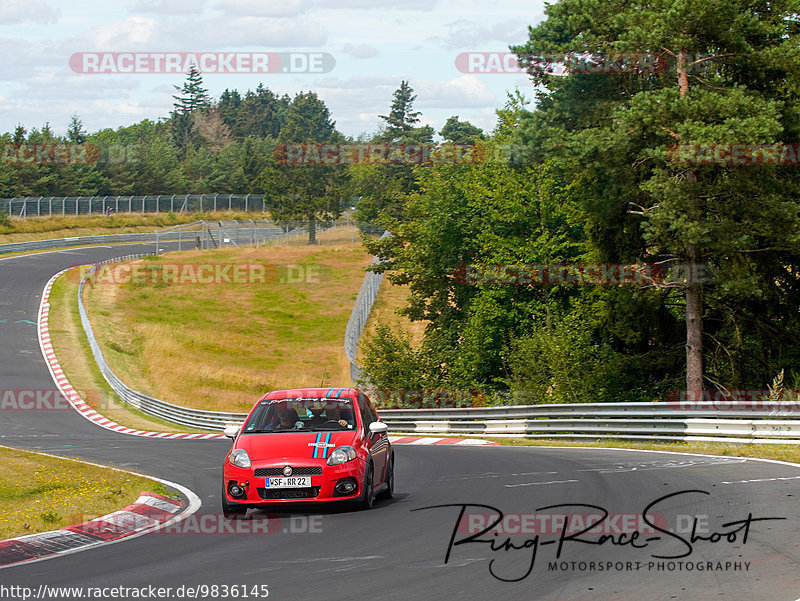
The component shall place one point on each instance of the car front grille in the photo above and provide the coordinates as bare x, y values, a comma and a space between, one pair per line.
309, 470
288, 493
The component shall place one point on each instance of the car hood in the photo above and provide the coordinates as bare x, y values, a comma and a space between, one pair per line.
282, 446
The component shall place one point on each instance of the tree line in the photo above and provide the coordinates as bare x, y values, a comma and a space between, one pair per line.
597, 184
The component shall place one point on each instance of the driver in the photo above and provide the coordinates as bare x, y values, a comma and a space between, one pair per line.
331, 415
289, 419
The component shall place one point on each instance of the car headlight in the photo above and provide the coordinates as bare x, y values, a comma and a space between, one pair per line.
342, 455
239, 458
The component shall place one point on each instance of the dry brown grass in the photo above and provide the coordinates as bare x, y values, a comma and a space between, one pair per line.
75, 357
219, 347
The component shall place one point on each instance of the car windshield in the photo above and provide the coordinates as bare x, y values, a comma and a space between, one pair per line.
306, 415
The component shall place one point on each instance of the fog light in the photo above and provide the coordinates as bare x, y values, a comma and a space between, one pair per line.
235, 490
346, 487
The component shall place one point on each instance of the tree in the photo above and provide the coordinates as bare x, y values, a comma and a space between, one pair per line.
305, 191
461, 132
381, 187
19, 134
193, 97
75, 131
732, 80
401, 118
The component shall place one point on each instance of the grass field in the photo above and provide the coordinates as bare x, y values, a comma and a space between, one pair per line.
75, 357
40, 493
44, 228
221, 346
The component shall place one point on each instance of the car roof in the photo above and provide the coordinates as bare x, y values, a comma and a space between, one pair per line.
302, 393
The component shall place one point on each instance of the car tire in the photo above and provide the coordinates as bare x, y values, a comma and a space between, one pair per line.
231, 509
388, 492
368, 494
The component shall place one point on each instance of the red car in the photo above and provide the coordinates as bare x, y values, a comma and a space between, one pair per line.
308, 445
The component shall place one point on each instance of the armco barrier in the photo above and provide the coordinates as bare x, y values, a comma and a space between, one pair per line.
358, 318
624, 421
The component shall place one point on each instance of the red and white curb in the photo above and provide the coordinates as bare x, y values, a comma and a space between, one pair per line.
149, 512
462, 442
86, 411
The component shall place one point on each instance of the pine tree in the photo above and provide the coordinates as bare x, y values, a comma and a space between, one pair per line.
192, 95
401, 119
75, 131
308, 191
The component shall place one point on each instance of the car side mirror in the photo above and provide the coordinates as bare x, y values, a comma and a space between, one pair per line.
378, 428
231, 431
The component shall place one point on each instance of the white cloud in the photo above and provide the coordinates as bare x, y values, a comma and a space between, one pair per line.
132, 33
167, 7
263, 32
474, 35
13, 12
466, 91
360, 50
264, 8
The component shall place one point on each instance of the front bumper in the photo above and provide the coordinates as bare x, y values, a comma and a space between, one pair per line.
322, 485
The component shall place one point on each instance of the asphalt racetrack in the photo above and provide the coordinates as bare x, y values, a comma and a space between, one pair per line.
417, 545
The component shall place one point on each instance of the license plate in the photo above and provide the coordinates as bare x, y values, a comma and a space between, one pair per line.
288, 482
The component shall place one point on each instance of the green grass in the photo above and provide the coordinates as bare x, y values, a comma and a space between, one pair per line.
40, 492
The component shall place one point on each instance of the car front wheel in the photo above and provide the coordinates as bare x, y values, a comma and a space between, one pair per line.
368, 495
388, 492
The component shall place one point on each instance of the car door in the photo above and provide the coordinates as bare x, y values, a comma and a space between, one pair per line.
378, 444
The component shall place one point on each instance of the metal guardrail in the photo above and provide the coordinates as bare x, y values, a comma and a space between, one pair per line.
623, 421
358, 318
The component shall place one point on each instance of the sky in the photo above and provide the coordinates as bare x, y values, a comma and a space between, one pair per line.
359, 50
